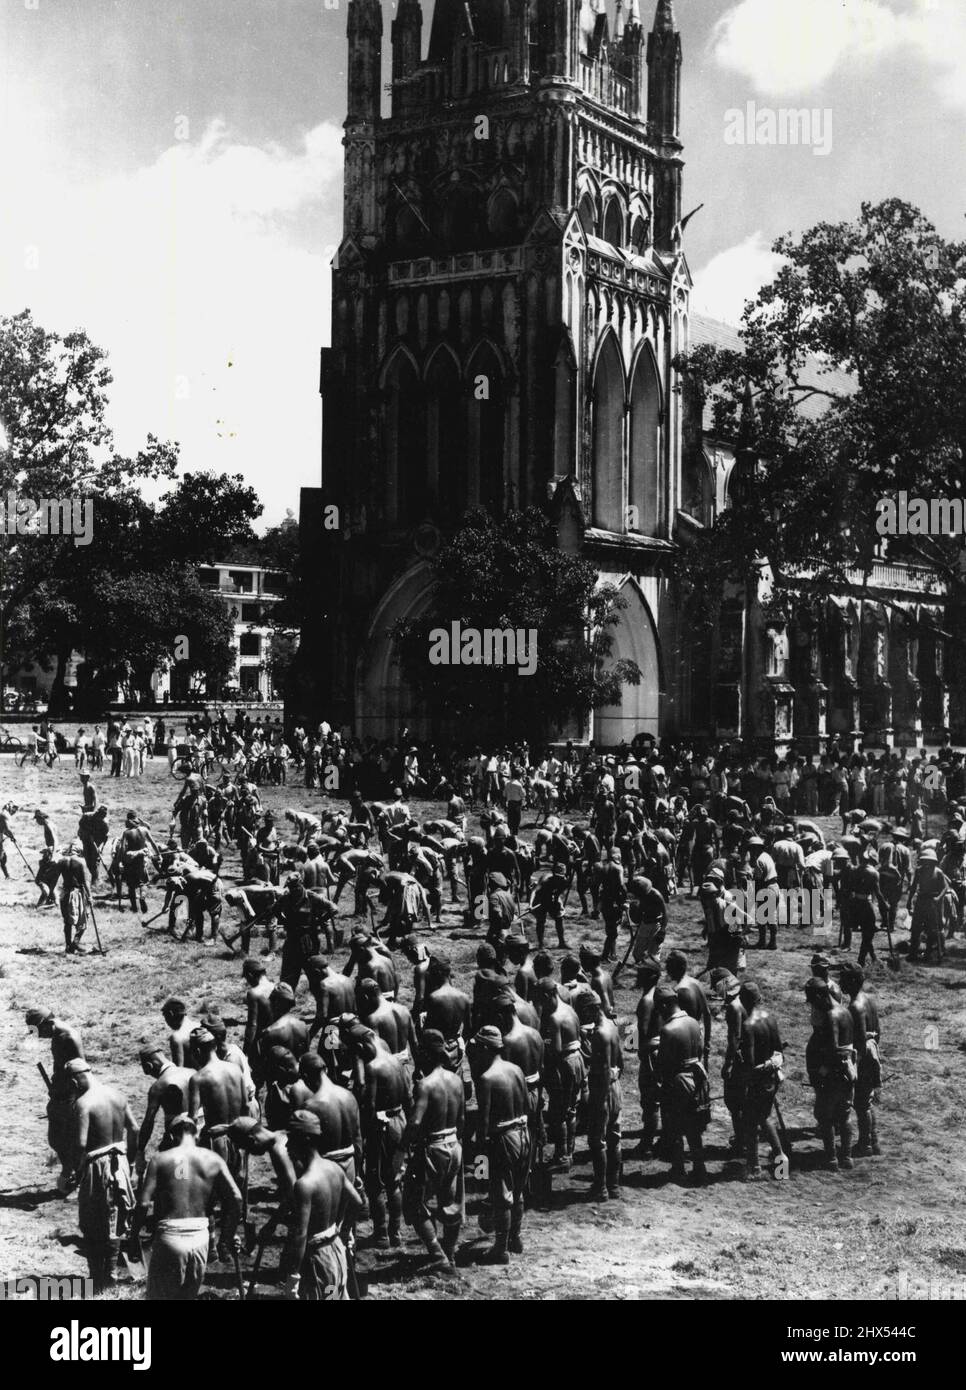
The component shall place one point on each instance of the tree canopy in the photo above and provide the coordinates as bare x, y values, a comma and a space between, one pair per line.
851, 387
510, 573
124, 598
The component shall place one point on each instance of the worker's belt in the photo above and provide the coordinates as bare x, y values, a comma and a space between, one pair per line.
505, 1126
572, 1047
385, 1115
321, 1238
533, 1080
116, 1148
439, 1134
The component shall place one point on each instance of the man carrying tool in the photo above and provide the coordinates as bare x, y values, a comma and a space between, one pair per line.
760, 1068
168, 1092
75, 896
102, 1137
65, 1046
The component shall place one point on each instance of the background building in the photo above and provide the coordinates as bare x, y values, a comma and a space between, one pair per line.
508, 298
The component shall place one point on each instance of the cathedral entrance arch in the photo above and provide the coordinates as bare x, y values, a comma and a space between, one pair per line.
635, 638
384, 700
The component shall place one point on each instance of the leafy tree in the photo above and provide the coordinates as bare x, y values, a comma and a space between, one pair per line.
126, 596
511, 574
850, 387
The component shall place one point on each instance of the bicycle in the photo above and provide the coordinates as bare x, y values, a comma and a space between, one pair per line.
9, 740
189, 761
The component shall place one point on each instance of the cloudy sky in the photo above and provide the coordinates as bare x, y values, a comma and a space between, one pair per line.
171, 181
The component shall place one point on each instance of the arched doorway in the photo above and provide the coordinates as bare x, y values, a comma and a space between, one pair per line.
635, 639
383, 698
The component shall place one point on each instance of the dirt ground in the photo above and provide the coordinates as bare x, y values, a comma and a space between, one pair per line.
893, 1228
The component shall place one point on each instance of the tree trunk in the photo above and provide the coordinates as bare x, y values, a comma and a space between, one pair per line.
58, 702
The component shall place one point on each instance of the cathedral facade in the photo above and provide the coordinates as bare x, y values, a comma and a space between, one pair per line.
508, 298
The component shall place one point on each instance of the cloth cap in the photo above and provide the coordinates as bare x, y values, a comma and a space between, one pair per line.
665, 994
306, 1124
283, 991
817, 991
34, 1017
76, 1067
202, 1035
490, 1036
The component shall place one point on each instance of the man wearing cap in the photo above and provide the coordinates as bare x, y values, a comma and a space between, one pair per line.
92, 832
103, 1138
418, 956
228, 1051
761, 1062
831, 1065
314, 1263
75, 895
433, 1140
503, 1134
65, 1046
546, 902
861, 882
286, 1028
648, 1042
604, 1098
392, 1022
179, 1186
384, 1106
522, 976
728, 988
866, 1037
524, 1046
767, 893
647, 912
925, 905
685, 1095
565, 1071
258, 1012
168, 1092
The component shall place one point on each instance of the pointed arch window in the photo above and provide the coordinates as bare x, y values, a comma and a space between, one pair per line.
614, 223
445, 437
486, 433
587, 214
608, 422
644, 478
404, 449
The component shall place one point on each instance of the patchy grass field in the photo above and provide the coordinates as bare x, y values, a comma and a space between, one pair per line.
892, 1228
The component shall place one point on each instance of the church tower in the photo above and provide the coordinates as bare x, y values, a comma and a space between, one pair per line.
506, 306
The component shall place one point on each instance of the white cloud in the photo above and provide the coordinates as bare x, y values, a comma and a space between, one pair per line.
722, 287
787, 47
190, 274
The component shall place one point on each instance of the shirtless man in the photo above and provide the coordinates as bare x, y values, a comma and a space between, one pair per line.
179, 1187
691, 997
371, 960
181, 1027
228, 1051
258, 1011
286, 1028
448, 1010
168, 1092
216, 1096
65, 1046
604, 1100
648, 1042
760, 1061
338, 1113
333, 992
314, 1264
523, 1046
601, 981
685, 1095
75, 895
433, 1140
418, 956
565, 1075
522, 976
831, 1067
393, 1023
867, 1039
503, 1134
384, 1107
103, 1137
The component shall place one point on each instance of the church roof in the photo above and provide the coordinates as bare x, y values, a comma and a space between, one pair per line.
727, 337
